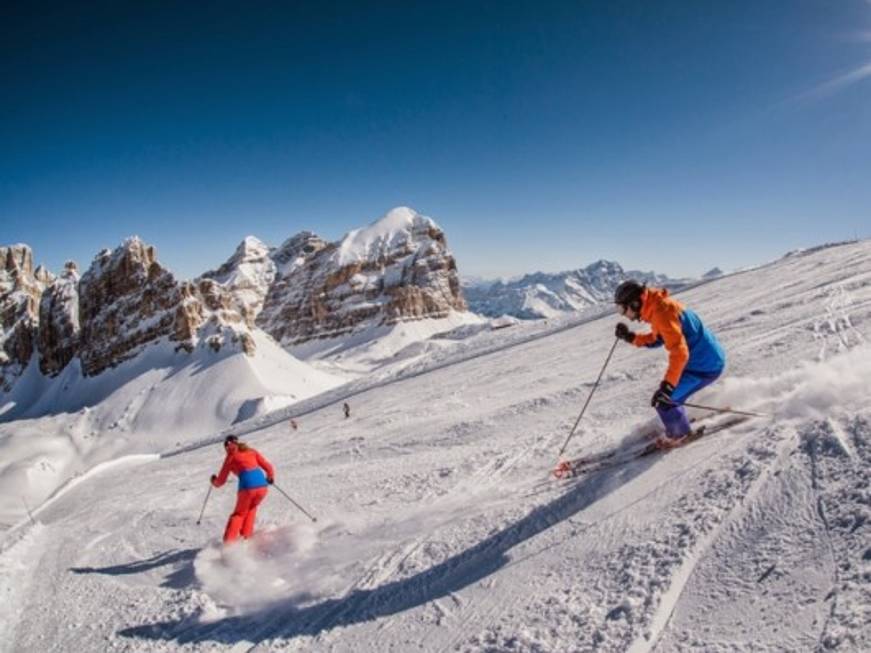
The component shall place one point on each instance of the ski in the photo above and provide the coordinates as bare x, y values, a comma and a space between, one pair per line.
615, 458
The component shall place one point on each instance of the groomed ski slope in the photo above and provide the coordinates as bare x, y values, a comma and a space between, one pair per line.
440, 529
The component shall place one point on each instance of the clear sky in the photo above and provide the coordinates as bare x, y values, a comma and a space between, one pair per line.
668, 135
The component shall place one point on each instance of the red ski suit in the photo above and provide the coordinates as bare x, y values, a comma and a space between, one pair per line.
249, 466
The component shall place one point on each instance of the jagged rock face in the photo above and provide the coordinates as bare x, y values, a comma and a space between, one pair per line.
43, 276
246, 276
20, 292
59, 321
543, 295
208, 311
126, 299
398, 268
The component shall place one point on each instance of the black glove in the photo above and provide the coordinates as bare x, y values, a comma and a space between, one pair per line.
622, 331
662, 397
213, 479
270, 480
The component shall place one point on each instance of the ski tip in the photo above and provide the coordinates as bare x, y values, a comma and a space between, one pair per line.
562, 469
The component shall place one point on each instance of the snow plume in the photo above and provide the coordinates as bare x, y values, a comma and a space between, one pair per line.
812, 390
254, 573
300, 565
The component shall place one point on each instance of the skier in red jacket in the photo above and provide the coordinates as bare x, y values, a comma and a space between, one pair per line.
255, 475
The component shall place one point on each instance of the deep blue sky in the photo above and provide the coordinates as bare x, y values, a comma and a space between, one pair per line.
667, 135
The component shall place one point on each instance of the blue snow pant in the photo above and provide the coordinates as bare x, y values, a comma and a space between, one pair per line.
674, 418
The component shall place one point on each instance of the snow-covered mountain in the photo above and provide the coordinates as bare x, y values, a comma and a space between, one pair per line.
397, 269
440, 529
542, 295
247, 275
125, 302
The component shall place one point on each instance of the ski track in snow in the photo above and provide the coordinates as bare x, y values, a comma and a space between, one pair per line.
440, 530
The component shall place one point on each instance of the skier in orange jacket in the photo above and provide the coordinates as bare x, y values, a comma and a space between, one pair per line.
255, 475
695, 357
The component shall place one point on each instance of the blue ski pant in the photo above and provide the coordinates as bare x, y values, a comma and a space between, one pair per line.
674, 418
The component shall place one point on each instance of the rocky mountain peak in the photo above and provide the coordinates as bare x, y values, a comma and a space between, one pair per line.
397, 268
43, 276
20, 291
395, 233
16, 259
297, 248
59, 326
245, 277
126, 299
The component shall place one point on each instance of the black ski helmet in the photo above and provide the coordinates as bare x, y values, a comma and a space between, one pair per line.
231, 438
628, 292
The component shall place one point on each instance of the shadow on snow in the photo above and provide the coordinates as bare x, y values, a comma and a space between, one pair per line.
283, 620
180, 578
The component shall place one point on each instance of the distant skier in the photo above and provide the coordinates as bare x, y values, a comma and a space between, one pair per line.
255, 474
347, 409
294, 425
695, 356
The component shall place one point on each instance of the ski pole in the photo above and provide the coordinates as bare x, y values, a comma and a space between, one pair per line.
590, 396
725, 410
287, 496
27, 508
208, 494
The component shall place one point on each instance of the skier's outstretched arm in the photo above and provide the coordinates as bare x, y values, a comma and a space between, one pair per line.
221, 478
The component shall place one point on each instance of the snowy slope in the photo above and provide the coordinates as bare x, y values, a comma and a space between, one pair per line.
375, 347
64, 425
440, 528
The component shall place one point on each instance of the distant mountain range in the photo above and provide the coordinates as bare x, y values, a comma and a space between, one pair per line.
542, 295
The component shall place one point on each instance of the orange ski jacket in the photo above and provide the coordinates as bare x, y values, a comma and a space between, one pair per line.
690, 345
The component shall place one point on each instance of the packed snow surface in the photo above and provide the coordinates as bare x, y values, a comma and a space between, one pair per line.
440, 528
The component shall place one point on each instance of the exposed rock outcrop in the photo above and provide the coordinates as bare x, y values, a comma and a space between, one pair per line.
59, 325
20, 292
128, 300
247, 276
398, 268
